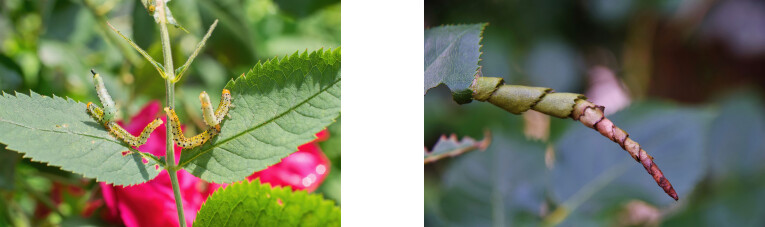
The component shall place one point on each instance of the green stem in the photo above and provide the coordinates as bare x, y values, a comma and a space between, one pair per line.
172, 169
170, 102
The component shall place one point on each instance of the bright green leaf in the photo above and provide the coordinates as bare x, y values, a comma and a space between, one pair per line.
255, 204
452, 53
60, 132
279, 105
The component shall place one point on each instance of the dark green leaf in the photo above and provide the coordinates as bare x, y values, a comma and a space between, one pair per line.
235, 36
736, 142
501, 186
255, 204
452, 53
279, 105
8, 160
302, 8
143, 22
331, 146
61, 133
730, 202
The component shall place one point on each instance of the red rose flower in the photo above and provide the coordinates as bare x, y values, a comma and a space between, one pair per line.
303, 170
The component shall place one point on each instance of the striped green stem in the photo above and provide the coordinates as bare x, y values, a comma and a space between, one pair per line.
518, 99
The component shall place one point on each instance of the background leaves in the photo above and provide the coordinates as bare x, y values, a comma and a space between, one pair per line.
737, 154
8, 160
503, 186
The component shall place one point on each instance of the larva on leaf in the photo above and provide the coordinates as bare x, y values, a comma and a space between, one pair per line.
207, 110
214, 118
124, 135
96, 112
224, 105
110, 108
181, 140
120, 132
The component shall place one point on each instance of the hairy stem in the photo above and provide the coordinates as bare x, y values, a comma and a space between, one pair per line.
517, 99
172, 168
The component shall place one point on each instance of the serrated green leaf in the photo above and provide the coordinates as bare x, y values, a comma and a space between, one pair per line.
279, 105
60, 132
452, 53
255, 204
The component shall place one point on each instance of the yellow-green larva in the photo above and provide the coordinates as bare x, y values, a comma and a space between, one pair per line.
110, 108
151, 6
181, 140
214, 118
120, 132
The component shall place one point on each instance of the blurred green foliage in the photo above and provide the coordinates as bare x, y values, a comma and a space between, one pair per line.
697, 107
49, 46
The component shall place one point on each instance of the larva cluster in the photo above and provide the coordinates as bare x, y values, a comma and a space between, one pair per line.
180, 139
211, 118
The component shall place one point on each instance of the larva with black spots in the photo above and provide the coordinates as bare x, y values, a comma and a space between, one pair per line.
214, 118
224, 105
120, 132
96, 112
180, 139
